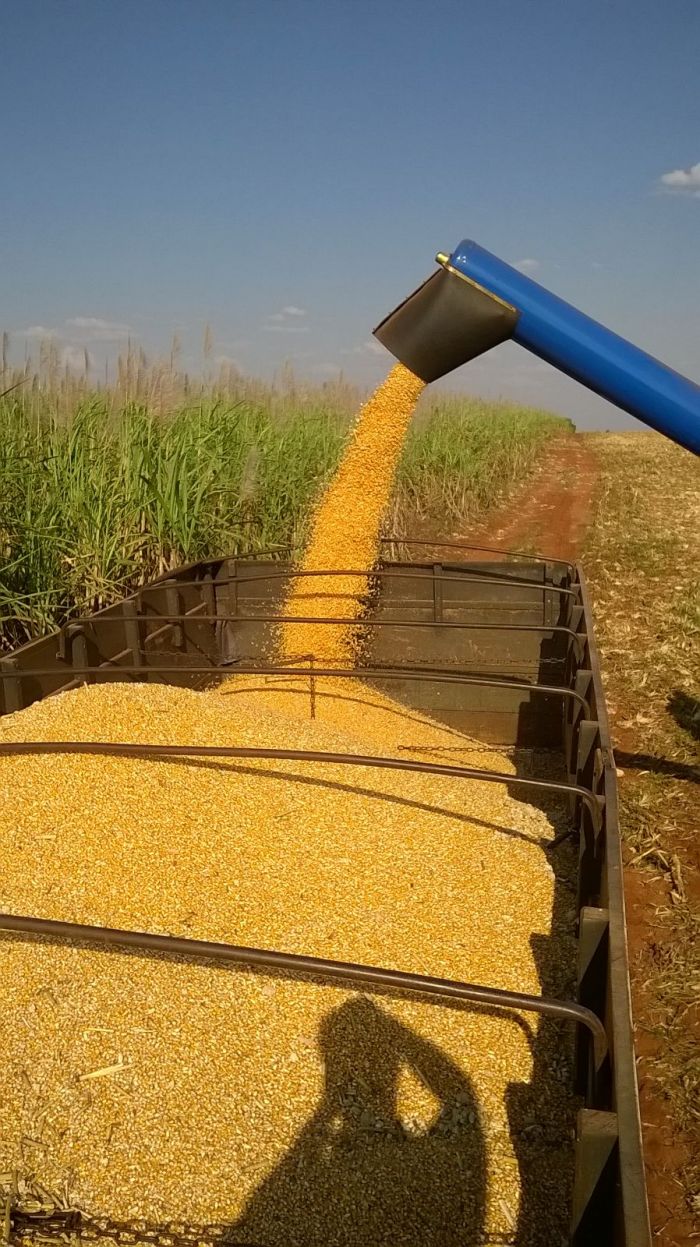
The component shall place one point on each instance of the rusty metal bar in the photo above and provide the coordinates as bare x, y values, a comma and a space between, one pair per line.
298, 963
132, 634
404, 623
11, 685
428, 675
463, 545
387, 573
192, 614
398, 622
121, 749
287, 547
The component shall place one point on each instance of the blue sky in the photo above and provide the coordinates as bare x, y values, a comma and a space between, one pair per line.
167, 163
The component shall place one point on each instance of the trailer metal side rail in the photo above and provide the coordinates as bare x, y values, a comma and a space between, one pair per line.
124, 749
290, 548
113, 666
464, 545
386, 573
341, 621
610, 1200
394, 622
195, 616
218, 585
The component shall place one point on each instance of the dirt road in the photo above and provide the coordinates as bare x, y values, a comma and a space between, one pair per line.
551, 510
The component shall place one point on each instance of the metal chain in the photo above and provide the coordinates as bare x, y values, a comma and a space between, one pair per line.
73, 1225
65, 1225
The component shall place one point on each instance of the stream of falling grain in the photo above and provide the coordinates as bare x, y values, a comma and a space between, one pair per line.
346, 523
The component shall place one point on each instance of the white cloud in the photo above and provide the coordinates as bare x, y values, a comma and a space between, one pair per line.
82, 329
36, 331
93, 327
286, 328
683, 181
289, 311
370, 347
527, 265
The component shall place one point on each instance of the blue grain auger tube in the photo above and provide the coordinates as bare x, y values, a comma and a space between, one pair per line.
475, 301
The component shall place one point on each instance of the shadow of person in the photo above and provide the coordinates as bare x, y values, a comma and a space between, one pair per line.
356, 1174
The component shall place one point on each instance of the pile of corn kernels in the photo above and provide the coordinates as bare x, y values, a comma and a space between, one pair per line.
293, 1111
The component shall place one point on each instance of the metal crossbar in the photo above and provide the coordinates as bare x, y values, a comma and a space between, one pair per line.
380, 573
112, 666
339, 621
463, 545
271, 959
118, 749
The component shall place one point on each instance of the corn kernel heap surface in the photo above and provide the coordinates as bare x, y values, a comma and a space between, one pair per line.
345, 525
294, 1112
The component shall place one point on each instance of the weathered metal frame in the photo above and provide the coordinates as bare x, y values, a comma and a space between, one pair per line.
424, 543
312, 671
386, 573
610, 1168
